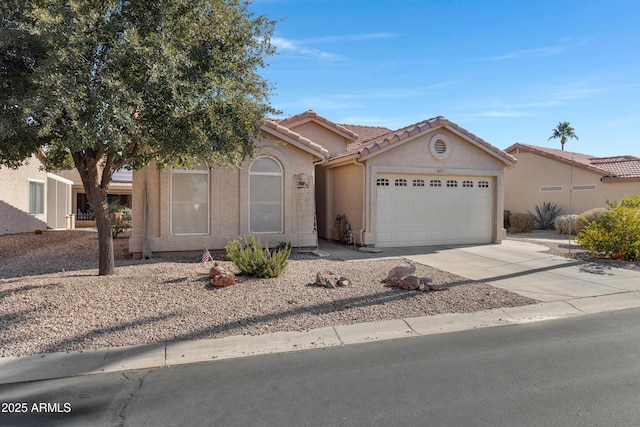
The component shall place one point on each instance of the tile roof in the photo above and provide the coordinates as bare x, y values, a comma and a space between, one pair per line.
312, 115
275, 126
380, 139
613, 168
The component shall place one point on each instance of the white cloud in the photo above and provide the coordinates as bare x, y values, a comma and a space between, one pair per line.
295, 47
541, 51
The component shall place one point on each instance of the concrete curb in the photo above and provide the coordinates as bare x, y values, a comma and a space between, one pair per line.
62, 365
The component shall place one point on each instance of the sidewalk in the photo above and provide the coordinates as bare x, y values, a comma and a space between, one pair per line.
564, 286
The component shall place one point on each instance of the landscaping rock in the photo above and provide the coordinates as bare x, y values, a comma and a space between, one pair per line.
343, 281
325, 279
220, 276
397, 273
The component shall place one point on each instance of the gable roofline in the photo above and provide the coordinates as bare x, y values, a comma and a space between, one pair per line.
295, 139
611, 169
312, 116
386, 141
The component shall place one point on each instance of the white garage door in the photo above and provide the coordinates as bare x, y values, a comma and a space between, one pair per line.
417, 210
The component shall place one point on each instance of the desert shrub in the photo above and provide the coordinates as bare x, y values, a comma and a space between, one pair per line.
544, 216
283, 246
566, 224
521, 223
587, 217
254, 260
617, 235
120, 219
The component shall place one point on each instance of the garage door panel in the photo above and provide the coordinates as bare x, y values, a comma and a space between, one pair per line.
458, 211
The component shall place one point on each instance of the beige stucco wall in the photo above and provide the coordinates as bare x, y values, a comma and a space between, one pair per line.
228, 205
345, 198
524, 181
414, 156
323, 136
14, 198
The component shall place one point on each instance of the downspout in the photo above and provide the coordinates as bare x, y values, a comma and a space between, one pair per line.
364, 199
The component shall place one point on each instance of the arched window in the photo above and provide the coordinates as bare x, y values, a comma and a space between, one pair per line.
190, 200
265, 196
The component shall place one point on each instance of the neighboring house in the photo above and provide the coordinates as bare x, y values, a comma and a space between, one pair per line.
31, 198
430, 183
575, 182
119, 191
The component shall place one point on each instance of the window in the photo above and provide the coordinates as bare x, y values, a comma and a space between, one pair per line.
483, 184
400, 182
452, 183
418, 182
190, 201
435, 183
265, 196
382, 182
36, 198
467, 184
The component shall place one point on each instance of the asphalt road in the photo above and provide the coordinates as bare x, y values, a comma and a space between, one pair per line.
573, 372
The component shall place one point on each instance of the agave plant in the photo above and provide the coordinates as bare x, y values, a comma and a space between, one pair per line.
545, 216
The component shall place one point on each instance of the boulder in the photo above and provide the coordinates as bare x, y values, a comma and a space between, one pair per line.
220, 276
325, 279
343, 281
397, 273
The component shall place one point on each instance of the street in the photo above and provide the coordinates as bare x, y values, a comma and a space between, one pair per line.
580, 371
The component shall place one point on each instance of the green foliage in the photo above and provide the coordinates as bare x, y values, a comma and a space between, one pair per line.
563, 131
521, 223
283, 246
617, 235
120, 219
566, 224
108, 84
254, 260
545, 216
587, 217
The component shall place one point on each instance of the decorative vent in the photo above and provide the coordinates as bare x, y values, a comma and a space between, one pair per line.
382, 182
440, 147
587, 187
551, 188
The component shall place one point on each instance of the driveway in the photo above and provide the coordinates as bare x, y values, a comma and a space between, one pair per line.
522, 268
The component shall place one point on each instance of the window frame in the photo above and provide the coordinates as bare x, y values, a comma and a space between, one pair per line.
249, 202
36, 207
203, 169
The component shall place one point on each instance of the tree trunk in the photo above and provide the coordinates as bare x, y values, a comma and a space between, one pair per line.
106, 261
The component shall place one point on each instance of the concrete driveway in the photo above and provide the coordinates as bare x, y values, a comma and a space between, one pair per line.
519, 267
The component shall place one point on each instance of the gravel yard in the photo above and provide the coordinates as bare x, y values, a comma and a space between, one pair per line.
51, 298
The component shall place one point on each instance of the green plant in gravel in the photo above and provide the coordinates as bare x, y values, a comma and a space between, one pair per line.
617, 235
587, 217
254, 260
545, 216
120, 219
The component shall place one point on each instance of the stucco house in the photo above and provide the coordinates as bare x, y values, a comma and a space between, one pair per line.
429, 183
576, 182
31, 198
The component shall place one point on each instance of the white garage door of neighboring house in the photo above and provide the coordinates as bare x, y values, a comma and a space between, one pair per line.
417, 210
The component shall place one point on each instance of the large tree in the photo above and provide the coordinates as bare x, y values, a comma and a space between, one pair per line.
563, 131
106, 84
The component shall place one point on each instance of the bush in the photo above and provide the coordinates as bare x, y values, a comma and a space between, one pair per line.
253, 260
545, 215
587, 217
566, 224
617, 235
521, 223
120, 219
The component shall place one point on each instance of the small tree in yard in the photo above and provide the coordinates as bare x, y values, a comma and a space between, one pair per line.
106, 84
617, 235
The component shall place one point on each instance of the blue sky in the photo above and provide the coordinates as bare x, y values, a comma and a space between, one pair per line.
507, 71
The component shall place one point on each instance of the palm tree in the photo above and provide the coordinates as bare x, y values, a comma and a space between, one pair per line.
563, 131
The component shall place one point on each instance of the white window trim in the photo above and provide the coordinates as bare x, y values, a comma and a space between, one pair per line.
281, 175
189, 171
36, 214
